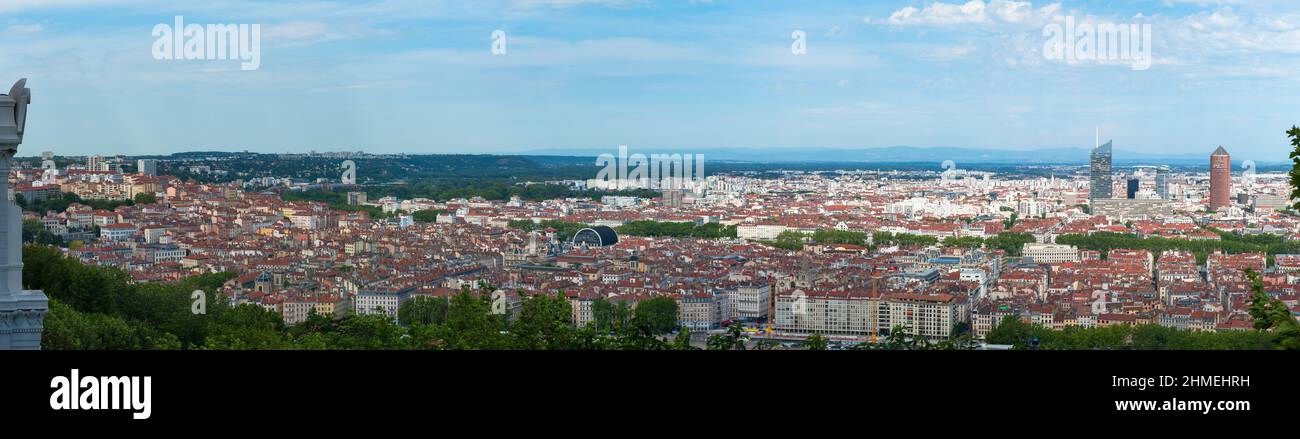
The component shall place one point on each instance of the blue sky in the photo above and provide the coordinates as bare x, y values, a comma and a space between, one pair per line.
419, 76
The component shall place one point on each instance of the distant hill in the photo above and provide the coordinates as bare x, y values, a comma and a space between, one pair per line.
905, 154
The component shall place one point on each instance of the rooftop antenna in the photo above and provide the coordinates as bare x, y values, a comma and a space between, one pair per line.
1098, 137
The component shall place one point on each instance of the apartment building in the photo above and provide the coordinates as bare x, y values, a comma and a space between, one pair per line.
748, 302
385, 302
1050, 253
926, 315
834, 314
700, 311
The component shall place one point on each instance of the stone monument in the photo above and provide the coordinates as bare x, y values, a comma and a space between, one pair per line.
22, 313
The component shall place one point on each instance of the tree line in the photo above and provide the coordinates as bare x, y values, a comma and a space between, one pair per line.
795, 241
61, 203
1229, 243
651, 228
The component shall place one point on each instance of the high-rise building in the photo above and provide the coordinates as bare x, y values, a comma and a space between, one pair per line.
1220, 178
674, 197
1162, 182
1100, 178
1133, 184
146, 167
94, 162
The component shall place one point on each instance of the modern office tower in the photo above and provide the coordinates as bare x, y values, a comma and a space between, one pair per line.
1220, 178
1133, 184
1162, 182
146, 167
1100, 179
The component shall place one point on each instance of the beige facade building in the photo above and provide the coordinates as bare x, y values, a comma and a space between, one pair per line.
1050, 253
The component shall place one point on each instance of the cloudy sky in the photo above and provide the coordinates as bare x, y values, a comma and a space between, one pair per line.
420, 76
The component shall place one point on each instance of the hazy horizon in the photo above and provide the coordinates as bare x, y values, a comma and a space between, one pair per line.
393, 76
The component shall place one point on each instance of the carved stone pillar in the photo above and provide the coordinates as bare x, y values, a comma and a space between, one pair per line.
22, 313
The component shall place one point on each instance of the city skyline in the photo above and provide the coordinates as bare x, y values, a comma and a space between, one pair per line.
420, 77
345, 180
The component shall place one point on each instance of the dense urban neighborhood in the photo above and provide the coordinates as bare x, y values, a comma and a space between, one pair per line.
843, 257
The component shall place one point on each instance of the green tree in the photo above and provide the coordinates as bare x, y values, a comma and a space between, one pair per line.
426, 216
676, 229
683, 341
790, 240
609, 316
247, 326
733, 340
1011, 331
34, 232
471, 324
1294, 134
1271, 314
368, 331
423, 310
66, 328
545, 322
657, 315
816, 342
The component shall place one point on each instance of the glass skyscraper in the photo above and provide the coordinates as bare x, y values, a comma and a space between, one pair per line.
1162, 182
1100, 179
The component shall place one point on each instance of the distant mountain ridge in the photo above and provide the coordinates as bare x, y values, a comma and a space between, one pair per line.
903, 154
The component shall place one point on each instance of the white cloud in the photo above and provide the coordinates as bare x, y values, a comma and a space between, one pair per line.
15, 6
572, 3
297, 30
972, 12
1224, 32
878, 109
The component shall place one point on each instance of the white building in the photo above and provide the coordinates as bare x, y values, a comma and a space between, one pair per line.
748, 302
976, 275
927, 315
117, 232
841, 314
1050, 253
147, 167
765, 232
618, 201
369, 302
